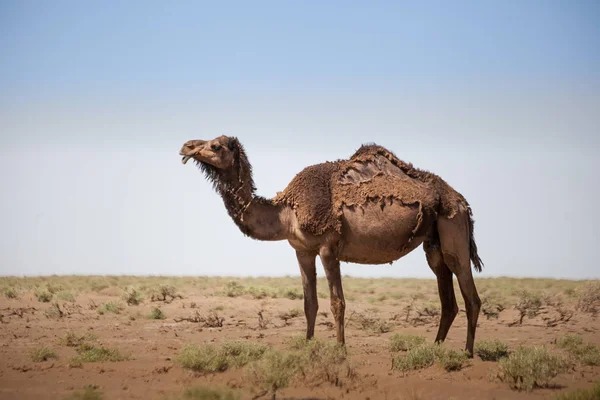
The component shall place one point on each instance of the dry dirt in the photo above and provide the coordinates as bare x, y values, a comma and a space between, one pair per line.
154, 344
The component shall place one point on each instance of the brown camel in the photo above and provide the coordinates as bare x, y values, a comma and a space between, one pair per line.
371, 209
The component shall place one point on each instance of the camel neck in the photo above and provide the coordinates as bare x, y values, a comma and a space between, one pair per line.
254, 215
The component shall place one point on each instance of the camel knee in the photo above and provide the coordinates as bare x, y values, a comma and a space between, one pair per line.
338, 306
453, 311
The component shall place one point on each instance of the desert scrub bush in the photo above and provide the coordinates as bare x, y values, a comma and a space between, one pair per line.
528, 305
218, 358
589, 298
234, 289
260, 292
10, 293
132, 297
324, 361
491, 350
88, 353
157, 313
110, 307
292, 294
421, 355
275, 370
98, 284
418, 357
165, 293
452, 360
368, 323
530, 367
592, 393
43, 295
89, 392
42, 353
491, 307
72, 339
54, 311
405, 342
585, 353
207, 393
65, 295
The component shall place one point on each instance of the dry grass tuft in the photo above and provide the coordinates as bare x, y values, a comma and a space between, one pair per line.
164, 293
218, 358
206, 393
491, 350
42, 353
157, 313
10, 293
589, 298
90, 353
132, 297
421, 356
529, 305
529, 367
582, 394
43, 295
90, 392
405, 342
110, 307
587, 354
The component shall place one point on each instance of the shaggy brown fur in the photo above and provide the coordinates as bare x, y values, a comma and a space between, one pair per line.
319, 192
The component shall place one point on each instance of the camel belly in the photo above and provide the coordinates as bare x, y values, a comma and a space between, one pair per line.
377, 233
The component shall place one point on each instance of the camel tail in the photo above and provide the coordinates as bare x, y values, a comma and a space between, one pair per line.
477, 263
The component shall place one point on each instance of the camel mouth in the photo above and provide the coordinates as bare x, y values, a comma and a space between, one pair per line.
185, 159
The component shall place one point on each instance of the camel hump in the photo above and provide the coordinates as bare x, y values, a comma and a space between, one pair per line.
309, 194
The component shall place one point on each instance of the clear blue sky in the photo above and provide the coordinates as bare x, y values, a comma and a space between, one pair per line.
502, 99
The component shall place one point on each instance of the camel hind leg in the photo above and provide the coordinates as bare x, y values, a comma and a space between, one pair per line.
455, 239
435, 259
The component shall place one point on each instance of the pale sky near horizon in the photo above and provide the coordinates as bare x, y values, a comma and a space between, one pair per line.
500, 99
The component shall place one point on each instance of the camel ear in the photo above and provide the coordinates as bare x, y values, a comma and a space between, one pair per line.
234, 144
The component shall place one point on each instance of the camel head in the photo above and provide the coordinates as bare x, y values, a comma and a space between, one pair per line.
219, 153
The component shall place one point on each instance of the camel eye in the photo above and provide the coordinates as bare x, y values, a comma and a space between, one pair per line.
215, 147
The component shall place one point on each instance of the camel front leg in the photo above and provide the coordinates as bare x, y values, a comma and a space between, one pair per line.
338, 306
309, 284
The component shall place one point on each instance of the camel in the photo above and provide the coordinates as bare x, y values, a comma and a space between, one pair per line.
372, 208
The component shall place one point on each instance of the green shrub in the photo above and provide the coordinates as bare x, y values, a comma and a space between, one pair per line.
157, 313
530, 367
529, 305
72, 339
582, 394
421, 356
10, 293
405, 342
65, 296
204, 393
275, 370
110, 307
234, 289
293, 294
89, 393
587, 354
132, 297
452, 360
42, 353
218, 358
90, 353
491, 350
43, 295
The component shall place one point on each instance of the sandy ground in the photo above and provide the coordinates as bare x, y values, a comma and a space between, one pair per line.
154, 345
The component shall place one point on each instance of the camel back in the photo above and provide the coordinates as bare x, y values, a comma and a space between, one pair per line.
319, 193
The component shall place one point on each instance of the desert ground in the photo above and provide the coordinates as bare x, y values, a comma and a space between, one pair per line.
123, 337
